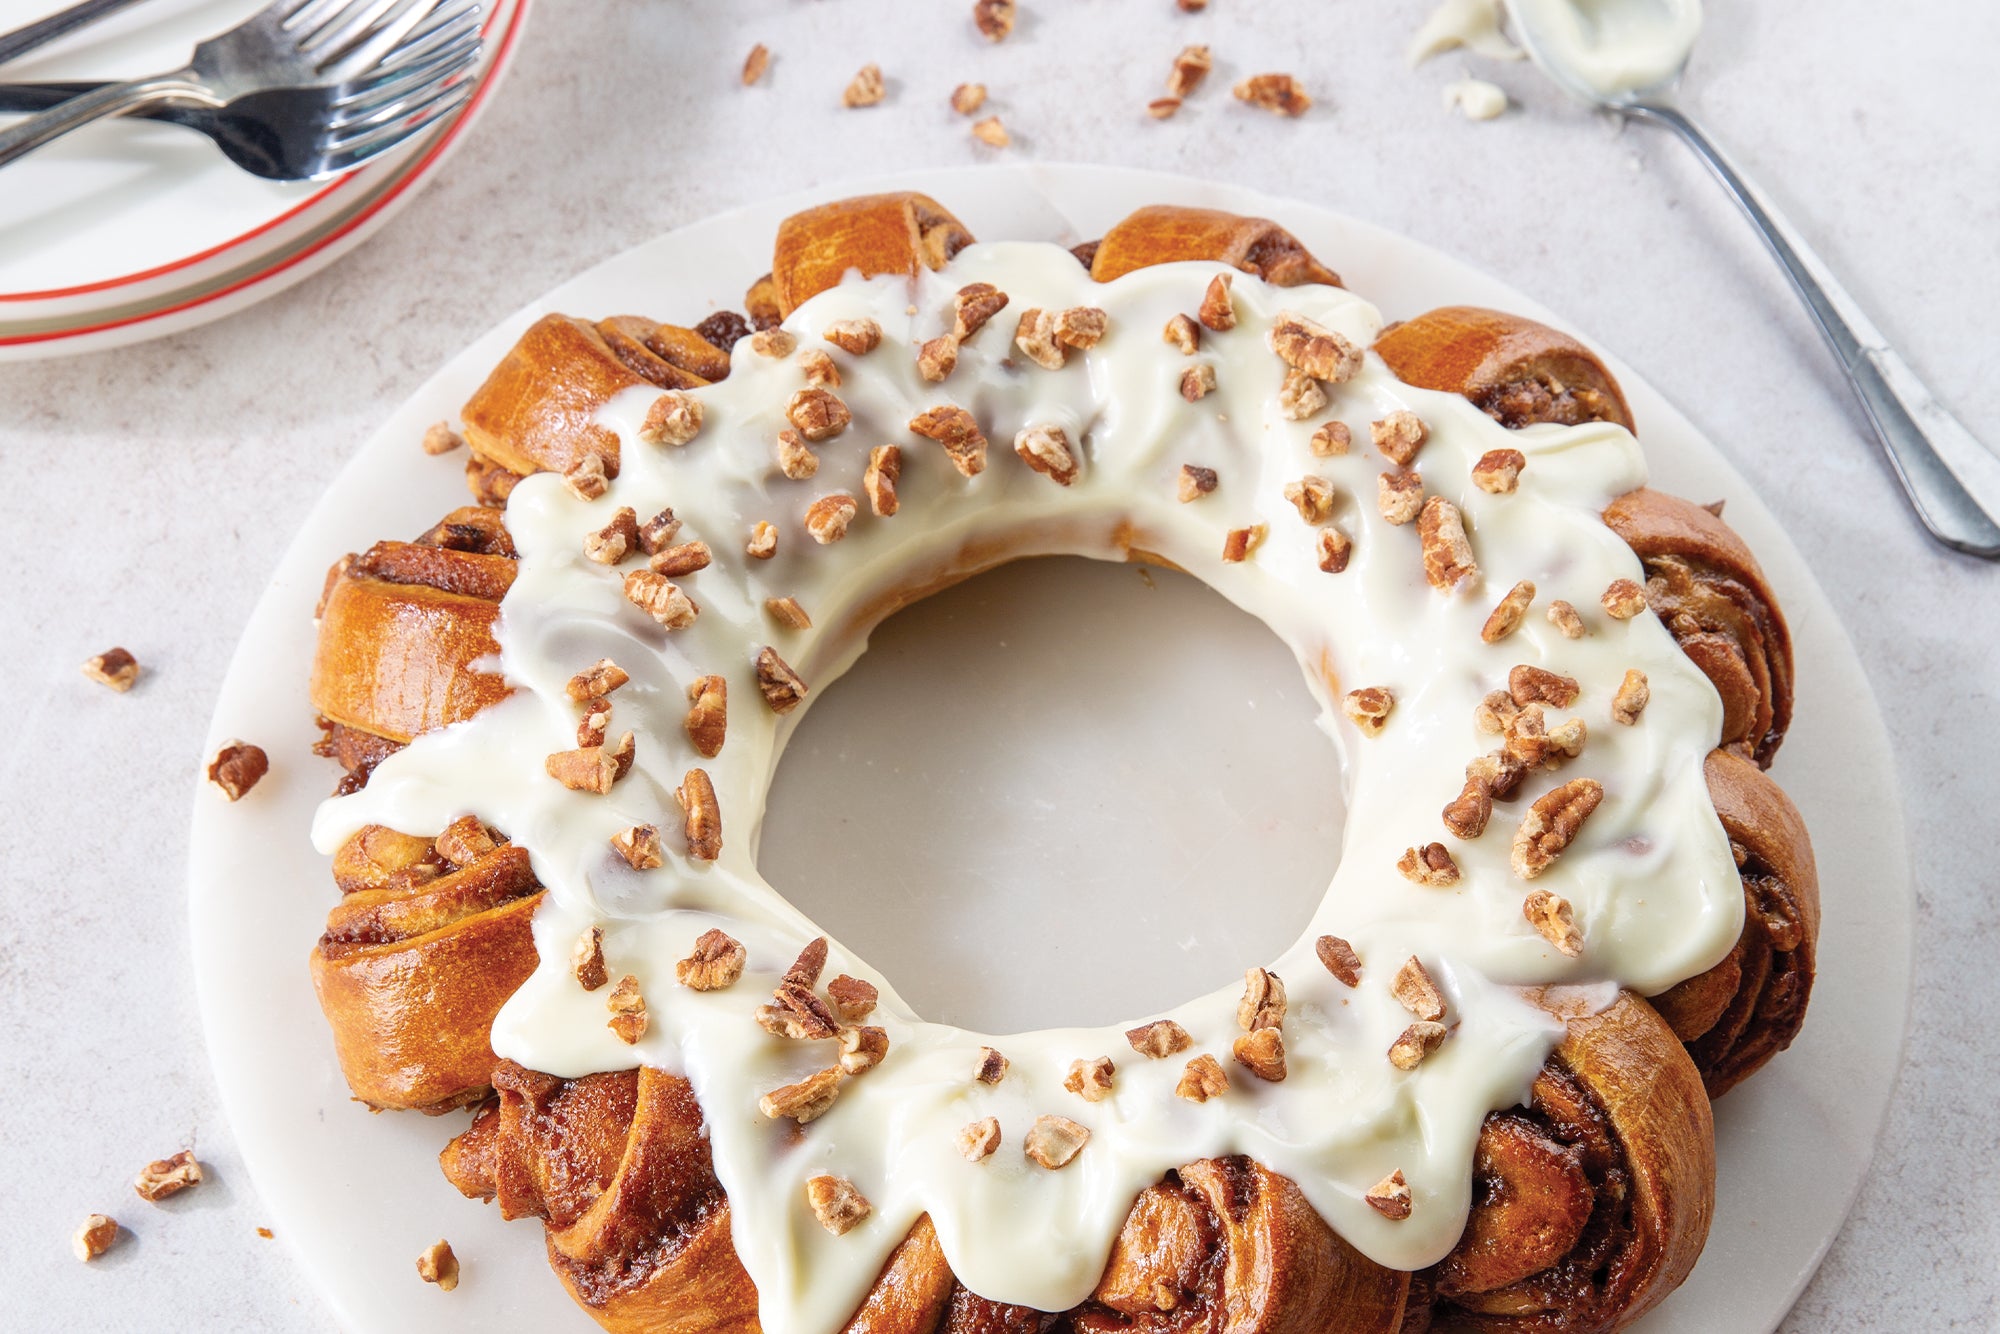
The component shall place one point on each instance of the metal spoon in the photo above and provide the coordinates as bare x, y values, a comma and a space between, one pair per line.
1952, 480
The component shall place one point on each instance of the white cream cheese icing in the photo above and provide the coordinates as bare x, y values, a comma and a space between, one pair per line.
1476, 99
1472, 24
1613, 47
1651, 879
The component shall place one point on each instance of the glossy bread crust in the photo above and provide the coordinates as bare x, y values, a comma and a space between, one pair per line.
1515, 370
1166, 233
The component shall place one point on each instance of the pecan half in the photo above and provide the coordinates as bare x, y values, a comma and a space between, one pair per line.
1448, 558
1430, 866
1046, 449
1054, 1141
701, 817
1261, 1052
1091, 1080
716, 964
1263, 1003
707, 720
1551, 825
1161, 1038
673, 419
115, 668
1340, 959
1498, 471
1550, 915
1507, 616
1632, 697
805, 1101
780, 685
954, 428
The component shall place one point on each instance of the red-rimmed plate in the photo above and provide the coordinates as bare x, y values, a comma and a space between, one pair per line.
127, 230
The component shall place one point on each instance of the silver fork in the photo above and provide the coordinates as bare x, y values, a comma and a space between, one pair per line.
324, 85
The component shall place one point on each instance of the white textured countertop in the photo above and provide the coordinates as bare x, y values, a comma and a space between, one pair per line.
148, 492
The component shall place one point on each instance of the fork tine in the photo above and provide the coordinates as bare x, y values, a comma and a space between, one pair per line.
420, 47
387, 119
389, 136
399, 101
385, 85
320, 19
298, 13
343, 25
379, 41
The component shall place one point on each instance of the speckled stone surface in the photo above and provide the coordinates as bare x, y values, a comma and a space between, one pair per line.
147, 492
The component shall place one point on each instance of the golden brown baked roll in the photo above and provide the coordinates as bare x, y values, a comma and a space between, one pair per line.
1164, 233
1516, 371
875, 234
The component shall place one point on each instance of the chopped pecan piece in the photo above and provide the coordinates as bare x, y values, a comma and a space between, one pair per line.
628, 1011
1190, 67
1195, 482
818, 414
439, 1265
1218, 306
1536, 685
1046, 449
992, 1066
658, 533
1300, 396
993, 18
1054, 1141
1263, 1003
1498, 471
954, 428
1550, 915
167, 1176
1081, 327
763, 543
587, 479
807, 1100
1430, 866
96, 1236
1486, 777
1416, 1042
991, 132
596, 682
1335, 549
1529, 742
1197, 382
238, 767
1623, 600
756, 63
862, 1049
1238, 544
439, 438
464, 841
1163, 108
1399, 495
859, 337
967, 98
788, 613
661, 599
1399, 435
716, 964
1368, 708
615, 540
1632, 697
1262, 1052
866, 89
1551, 825
828, 517
773, 343
708, 715
682, 558
1278, 93
115, 668
1448, 558
1035, 335
1161, 1038
1312, 496
1091, 1080
975, 303
835, 1202
1507, 616
673, 419
1340, 959
639, 846
702, 817
1201, 1079
820, 371
851, 998
979, 1139
1390, 1197
781, 685
938, 358
1331, 440
586, 960
885, 470
1564, 618
1416, 992
1314, 350
1183, 335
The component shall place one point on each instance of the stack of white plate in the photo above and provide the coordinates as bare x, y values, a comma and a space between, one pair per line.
129, 229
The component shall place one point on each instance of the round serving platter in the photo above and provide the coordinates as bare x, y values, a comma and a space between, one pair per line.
356, 1195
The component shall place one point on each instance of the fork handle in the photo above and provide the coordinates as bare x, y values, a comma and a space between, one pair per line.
23, 40
1952, 480
17, 141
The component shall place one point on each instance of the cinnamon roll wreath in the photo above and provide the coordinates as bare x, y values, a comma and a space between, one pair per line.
1590, 1200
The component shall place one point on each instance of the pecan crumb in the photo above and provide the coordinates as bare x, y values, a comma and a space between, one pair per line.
628, 1011
851, 998
1195, 482
763, 543
701, 816
1399, 495
237, 768
1279, 93
835, 1202
438, 1265
975, 304
1368, 708
1335, 549
885, 470
1430, 866
788, 613
1218, 306
805, 1101
1263, 1002
1053, 1141
1261, 1052
992, 1066
1498, 471
715, 965
1314, 350
968, 98
1624, 599
780, 685
858, 337
1536, 685
866, 88
439, 438
1390, 1197
587, 479
1551, 916
1190, 67
661, 599
1183, 335
639, 846
615, 540
819, 369
1197, 382
596, 682
954, 428
979, 1139
1091, 1080
1399, 435
1312, 496
683, 558
993, 18
1163, 108
1564, 618
115, 668
1416, 992
1340, 959
168, 1176
991, 132
464, 841
1239, 544
1300, 396
1416, 1042
1507, 616
828, 517
1448, 560
94, 1237
937, 358
1551, 825
756, 63
1046, 449
1331, 440
658, 533
1161, 1038
1632, 697
1191, 6
773, 343
586, 959
673, 419
1201, 1079
862, 1049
